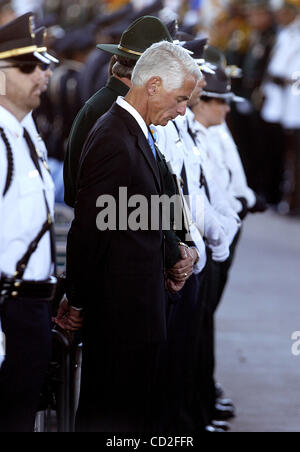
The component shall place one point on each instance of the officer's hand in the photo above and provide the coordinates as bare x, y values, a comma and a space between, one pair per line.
180, 272
74, 320
62, 312
68, 318
173, 286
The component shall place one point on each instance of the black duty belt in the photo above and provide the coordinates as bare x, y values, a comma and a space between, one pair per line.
17, 288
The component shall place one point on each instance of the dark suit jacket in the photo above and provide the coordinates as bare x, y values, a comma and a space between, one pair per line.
93, 109
117, 275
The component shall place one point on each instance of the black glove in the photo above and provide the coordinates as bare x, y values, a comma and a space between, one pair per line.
260, 204
244, 211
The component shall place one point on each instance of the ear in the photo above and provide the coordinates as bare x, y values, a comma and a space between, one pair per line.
154, 85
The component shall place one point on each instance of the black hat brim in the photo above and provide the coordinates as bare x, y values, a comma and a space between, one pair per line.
114, 50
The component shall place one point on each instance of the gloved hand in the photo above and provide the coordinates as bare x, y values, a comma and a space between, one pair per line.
220, 249
218, 243
231, 226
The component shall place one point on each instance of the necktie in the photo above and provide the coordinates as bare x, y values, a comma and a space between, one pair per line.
185, 188
151, 144
203, 183
32, 151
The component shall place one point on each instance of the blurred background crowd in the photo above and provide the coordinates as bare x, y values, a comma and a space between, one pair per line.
260, 39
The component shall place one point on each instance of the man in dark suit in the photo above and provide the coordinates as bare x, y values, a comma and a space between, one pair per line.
117, 275
139, 36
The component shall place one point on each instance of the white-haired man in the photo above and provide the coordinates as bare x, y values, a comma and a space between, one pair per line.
117, 276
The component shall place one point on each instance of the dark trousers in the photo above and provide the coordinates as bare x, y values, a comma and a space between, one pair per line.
216, 280
179, 357
118, 386
273, 161
262, 149
26, 324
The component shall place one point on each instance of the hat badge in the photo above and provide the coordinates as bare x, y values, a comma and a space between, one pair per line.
32, 26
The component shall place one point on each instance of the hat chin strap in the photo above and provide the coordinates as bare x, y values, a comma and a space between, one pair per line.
40, 57
218, 95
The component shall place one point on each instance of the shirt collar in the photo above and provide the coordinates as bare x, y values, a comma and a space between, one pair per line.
27, 121
10, 122
189, 114
200, 128
123, 104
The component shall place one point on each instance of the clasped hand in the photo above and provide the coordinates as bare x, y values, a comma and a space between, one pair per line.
177, 275
68, 318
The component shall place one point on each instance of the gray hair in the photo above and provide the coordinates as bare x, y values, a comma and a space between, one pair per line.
170, 62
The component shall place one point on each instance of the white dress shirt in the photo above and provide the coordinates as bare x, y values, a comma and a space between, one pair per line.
23, 210
124, 104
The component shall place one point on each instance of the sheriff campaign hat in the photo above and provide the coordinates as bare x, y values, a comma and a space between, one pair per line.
218, 86
17, 39
138, 37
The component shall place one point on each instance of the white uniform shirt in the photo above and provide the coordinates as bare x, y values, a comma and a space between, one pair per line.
22, 209
173, 149
220, 201
171, 143
282, 104
228, 164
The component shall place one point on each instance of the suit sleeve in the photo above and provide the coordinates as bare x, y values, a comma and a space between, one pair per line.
105, 167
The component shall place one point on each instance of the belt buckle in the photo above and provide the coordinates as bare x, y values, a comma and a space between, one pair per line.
7, 289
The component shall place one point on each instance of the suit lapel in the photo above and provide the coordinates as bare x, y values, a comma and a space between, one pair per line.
147, 152
142, 144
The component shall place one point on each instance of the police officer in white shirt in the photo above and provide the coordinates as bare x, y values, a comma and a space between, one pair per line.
27, 255
226, 206
186, 327
281, 108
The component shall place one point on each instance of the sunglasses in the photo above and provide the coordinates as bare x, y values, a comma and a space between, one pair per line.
28, 68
